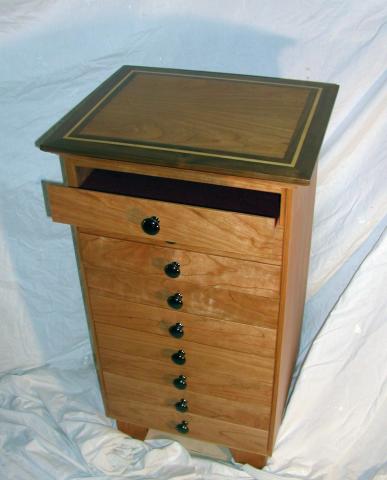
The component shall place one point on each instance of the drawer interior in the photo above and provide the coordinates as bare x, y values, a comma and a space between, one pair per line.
253, 202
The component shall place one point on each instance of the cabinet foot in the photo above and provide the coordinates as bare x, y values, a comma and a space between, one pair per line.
134, 431
253, 459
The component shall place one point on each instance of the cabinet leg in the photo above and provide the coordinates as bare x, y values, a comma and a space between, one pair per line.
133, 430
253, 459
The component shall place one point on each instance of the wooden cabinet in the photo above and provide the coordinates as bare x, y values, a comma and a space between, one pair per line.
191, 199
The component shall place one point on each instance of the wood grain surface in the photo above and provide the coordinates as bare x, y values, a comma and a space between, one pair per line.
257, 127
134, 431
252, 415
298, 228
199, 357
202, 229
200, 427
224, 304
236, 387
83, 165
205, 270
201, 114
197, 329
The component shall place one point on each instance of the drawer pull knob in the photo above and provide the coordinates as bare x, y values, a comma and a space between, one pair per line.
181, 406
179, 357
151, 225
180, 382
172, 269
175, 301
177, 330
182, 427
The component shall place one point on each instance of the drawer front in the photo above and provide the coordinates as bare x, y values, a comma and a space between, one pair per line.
230, 386
197, 357
166, 396
203, 330
196, 228
223, 303
202, 428
201, 269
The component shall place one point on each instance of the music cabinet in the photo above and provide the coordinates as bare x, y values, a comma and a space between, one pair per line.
191, 199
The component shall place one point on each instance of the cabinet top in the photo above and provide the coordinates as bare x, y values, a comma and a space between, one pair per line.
241, 125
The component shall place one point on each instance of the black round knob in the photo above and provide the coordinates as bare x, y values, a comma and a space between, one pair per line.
180, 382
175, 301
177, 330
181, 406
172, 269
179, 357
182, 427
151, 225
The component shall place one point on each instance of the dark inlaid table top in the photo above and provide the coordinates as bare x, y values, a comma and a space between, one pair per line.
233, 124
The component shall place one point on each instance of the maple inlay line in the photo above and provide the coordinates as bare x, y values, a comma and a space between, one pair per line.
69, 135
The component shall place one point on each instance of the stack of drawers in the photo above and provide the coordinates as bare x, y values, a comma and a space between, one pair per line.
191, 200
173, 350
185, 338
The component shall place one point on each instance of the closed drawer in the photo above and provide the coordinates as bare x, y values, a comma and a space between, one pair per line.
231, 411
221, 303
231, 385
194, 228
197, 357
197, 329
198, 268
202, 428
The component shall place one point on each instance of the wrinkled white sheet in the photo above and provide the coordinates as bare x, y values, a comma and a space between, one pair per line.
337, 416
52, 53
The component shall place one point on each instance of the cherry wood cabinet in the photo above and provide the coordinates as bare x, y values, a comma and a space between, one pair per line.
191, 195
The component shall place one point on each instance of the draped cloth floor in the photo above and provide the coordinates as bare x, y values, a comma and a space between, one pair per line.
52, 53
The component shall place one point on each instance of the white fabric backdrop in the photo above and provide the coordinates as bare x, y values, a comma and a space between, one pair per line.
52, 53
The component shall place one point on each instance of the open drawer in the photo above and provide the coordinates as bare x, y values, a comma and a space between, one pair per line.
203, 229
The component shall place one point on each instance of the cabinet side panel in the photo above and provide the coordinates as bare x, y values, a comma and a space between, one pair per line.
70, 178
89, 313
296, 250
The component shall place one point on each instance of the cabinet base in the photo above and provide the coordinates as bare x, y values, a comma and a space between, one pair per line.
240, 456
133, 430
253, 459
